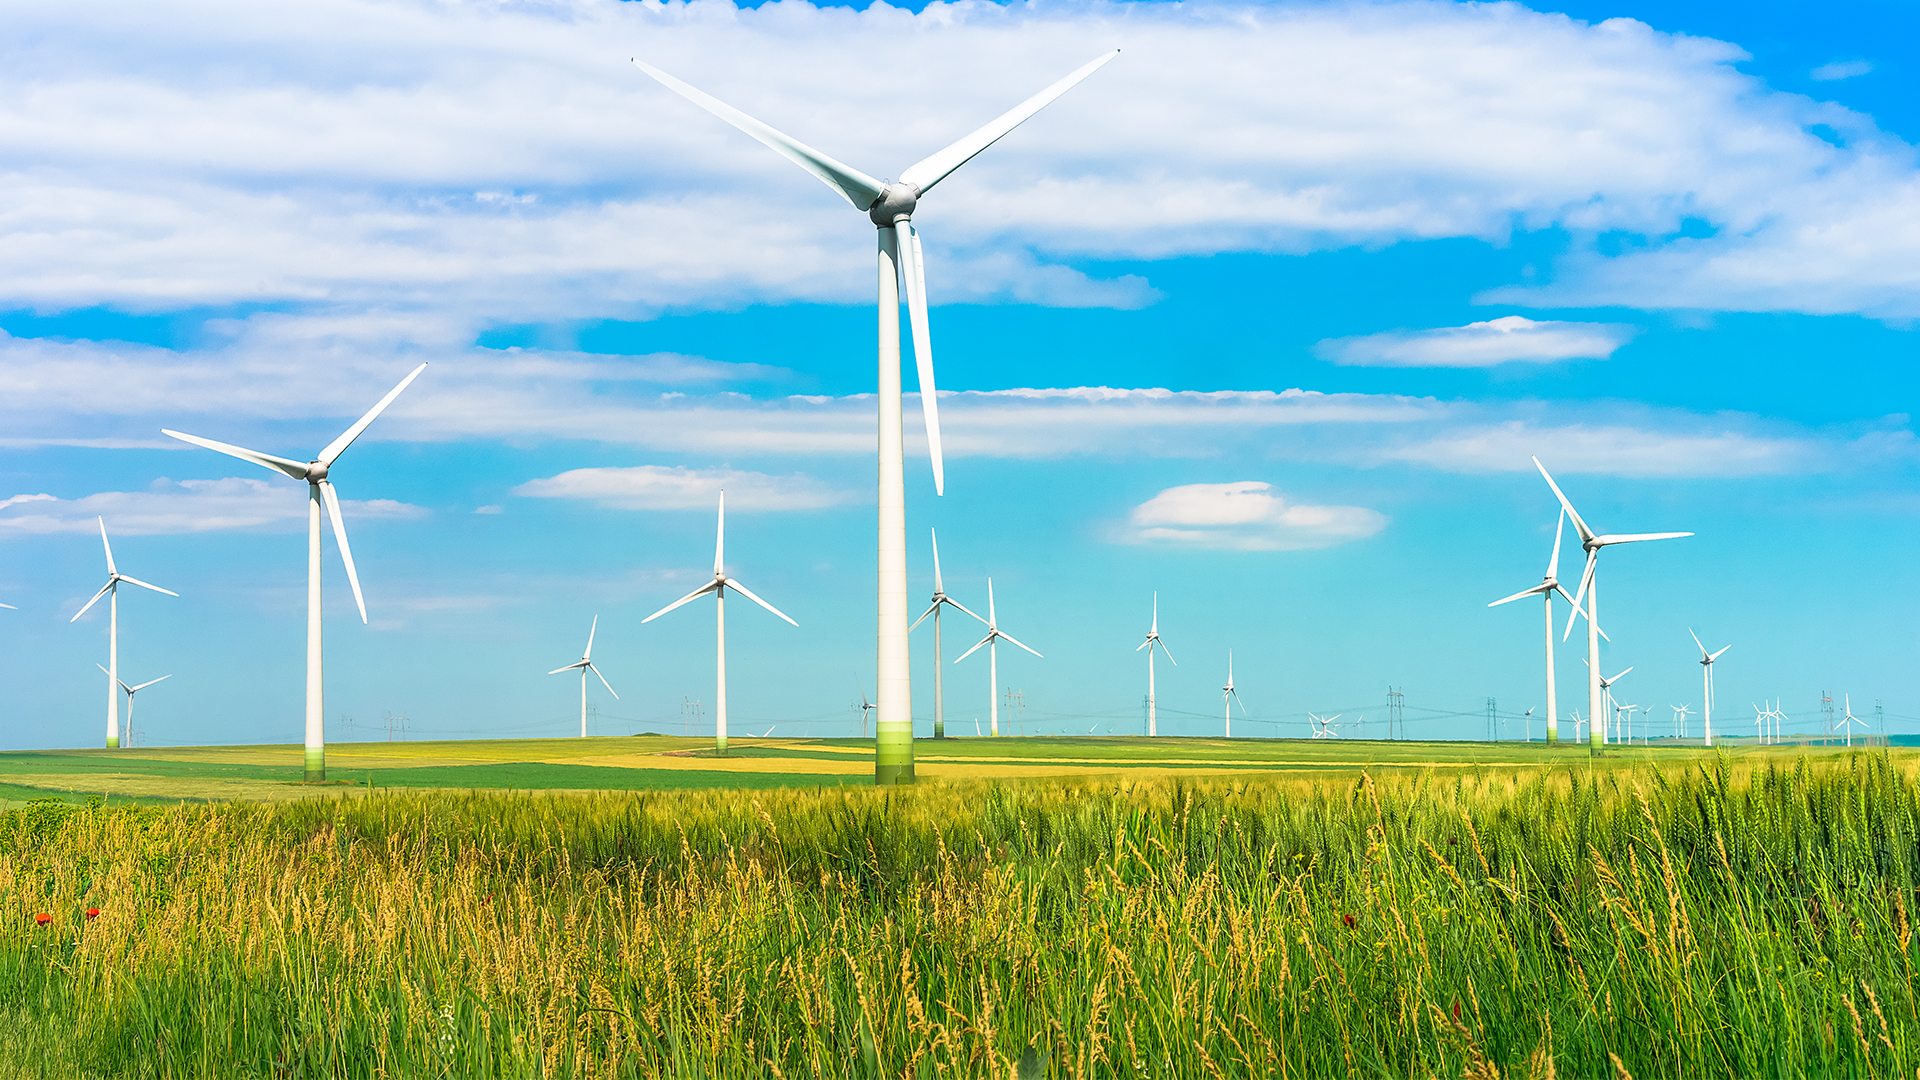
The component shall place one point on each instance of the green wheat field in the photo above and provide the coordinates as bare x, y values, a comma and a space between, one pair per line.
1033, 908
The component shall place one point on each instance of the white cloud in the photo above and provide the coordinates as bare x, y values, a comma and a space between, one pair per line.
1652, 449
1480, 344
1244, 516
490, 509
664, 487
505, 162
186, 506
1840, 69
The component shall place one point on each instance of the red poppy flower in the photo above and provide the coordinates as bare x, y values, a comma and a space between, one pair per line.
93, 913
1456, 1011
41, 918
1350, 921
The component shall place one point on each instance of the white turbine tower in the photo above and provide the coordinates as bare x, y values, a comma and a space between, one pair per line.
1549, 585
1778, 716
1153, 639
1607, 707
718, 587
111, 590
940, 600
1680, 719
1847, 721
319, 489
1228, 696
1706, 684
585, 664
132, 690
1760, 718
991, 641
890, 208
1323, 726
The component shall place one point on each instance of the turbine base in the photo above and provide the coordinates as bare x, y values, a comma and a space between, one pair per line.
893, 775
316, 765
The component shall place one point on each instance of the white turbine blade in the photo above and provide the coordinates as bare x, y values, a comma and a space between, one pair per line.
1235, 694
338, 446
603, 680
720, 539
104, 590
968, 610
591, 630
1579, 525
913, 270
1633, 538
340, 536
1009, 637
111, 569
853, 185
296, 469
1563, 592
931, 608
1618, 677
748, 593
9, 607
689, 598
144, 585
991, 618
569, 667
1535, 591
935, 168
144, 685
938, 589
1143, 645
1586, 578
1696, 641
1553, 564
1719, 654
1163, 648
991, 634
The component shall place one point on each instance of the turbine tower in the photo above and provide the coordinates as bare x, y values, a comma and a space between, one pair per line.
1549, 585
1153, 639
319, 489
585, 664
132, 690
940, 599
890, 208
111, 590
1706, 684
1606, 707
718, 587
1228, 696
991, 641
1680, 719
1589, 587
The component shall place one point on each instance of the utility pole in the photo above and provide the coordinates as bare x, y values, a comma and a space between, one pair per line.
1493, 733
1826, 707
1396, 712
593, 717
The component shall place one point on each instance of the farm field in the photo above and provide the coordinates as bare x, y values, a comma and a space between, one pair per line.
1208, 909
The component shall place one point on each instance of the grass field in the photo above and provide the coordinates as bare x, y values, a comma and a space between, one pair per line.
1182, 908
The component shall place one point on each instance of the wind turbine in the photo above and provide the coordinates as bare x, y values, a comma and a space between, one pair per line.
865, 708
1778, 716
1680, 719
890, 208
1760, 718
1589, 587
1153, 638
1228, 695
1706, 683
991, 641
585, 664
940, 599
1628, 711
1322, 726
1849, 720
1549, 585
1606, 705
718, 587
1528, 718
1578, 723
111, 590
132, 690
319, 488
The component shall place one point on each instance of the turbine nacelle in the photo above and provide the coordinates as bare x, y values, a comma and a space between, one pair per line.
316, 471
895, 204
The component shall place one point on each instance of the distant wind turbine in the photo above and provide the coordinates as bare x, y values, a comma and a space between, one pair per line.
991, 641
718, 587
584, 665
132, 690
1153, 639
1549, 584
940, 600
1589, 588
1229, 696
1606, 705
1323, 726
1847, 721
1680, 719
890, 208
865, 708
319, 489
111, 590
1706, 683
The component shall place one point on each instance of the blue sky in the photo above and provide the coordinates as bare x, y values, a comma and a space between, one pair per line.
1372, 256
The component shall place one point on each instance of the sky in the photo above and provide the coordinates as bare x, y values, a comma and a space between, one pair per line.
1266, 318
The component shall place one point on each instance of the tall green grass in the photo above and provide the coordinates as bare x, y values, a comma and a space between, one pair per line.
1661, 921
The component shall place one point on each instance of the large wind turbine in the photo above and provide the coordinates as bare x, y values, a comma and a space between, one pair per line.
111, 590
940, 599
585, 664
890, 207
132, 690
319, 489
1706, 682
991, 641
1589, 588
1549, 585
718, 587
1153, 638
1228, 696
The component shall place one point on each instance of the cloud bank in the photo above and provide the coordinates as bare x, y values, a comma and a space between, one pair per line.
1244, 516
672, 487
1513, 338
168, 507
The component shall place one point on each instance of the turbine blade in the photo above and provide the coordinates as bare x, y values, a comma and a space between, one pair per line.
938, 589
144, 685
1696, 641
1535, 591
111, 569
991, 634
603, 681
338, 446
1143, 645
1553, 564
853, 185
9, 607
1579, 525
1586, 579
1617, 678
569, 667
689, 598
935, 168
591, 630
296, 469
914, 272
1719, 654
748, 593
1164, 649
104, 590
931, 608
1633, 538
340, 536
720, 539
1009, 637
144, 585
965, 608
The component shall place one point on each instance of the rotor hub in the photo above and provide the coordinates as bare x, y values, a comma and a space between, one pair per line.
896, 201
316, 472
